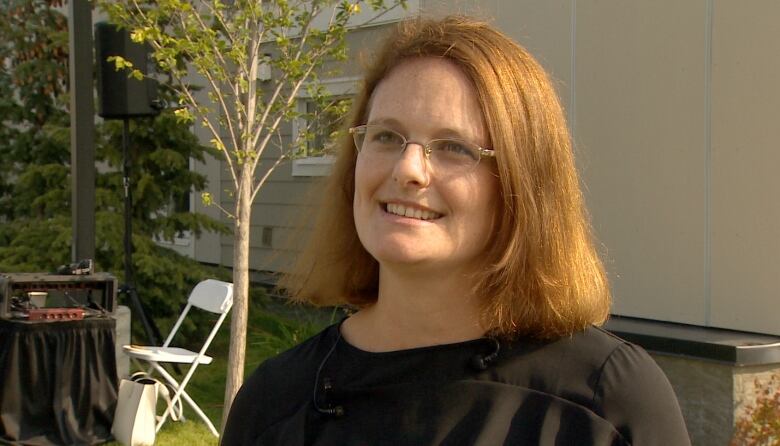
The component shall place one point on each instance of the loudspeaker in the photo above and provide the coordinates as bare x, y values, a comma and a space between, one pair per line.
120, 96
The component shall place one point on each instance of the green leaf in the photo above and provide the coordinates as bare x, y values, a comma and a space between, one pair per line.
183, 115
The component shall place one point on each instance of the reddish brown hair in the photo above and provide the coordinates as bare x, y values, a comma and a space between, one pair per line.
542, 275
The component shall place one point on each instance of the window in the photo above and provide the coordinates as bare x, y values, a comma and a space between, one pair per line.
326, 125
267, 238
321, 121
182, 242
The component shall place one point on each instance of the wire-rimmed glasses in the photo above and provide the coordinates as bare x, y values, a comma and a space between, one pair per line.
447, 155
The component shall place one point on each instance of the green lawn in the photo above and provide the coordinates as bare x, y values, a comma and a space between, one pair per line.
273, 327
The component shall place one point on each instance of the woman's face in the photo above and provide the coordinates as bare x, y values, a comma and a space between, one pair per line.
424, 99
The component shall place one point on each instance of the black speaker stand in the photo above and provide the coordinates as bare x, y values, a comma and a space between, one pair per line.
128, 289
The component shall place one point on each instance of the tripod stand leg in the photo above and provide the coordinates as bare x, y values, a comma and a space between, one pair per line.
150, 328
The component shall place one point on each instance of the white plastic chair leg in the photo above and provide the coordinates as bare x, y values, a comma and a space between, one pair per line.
181, 393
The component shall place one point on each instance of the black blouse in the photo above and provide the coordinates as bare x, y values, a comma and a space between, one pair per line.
589, 389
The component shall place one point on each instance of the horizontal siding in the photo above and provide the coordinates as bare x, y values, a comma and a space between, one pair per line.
281, 174
262, 259
293, 192
282, 215
285, 239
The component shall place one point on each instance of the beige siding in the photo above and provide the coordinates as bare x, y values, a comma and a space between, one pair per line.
544, 27
745, 162
208, 246
640, 127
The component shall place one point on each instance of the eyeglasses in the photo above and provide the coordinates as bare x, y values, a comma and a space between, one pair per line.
444, 155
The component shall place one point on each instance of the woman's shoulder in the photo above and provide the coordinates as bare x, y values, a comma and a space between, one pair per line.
565, 360
301, 359
280, 375
604, 374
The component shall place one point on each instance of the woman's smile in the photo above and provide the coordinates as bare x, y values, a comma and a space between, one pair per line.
411, 211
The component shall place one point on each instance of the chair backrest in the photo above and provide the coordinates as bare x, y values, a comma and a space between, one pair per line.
212, 295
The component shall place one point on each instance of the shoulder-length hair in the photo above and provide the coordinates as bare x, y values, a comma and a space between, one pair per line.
542, 276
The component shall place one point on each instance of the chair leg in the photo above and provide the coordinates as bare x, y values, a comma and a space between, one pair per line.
180, 393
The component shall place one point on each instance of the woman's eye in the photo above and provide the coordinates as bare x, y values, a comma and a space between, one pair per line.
456, 148
387, 137
452, 146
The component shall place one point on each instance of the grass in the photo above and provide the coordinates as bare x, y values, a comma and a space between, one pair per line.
273, 327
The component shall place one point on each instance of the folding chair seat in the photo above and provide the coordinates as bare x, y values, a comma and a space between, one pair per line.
166, 354
210, 295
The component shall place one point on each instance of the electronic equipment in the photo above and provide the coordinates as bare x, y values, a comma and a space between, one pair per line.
23, 295
55, 314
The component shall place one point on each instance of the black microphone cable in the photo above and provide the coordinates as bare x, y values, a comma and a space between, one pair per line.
327, 386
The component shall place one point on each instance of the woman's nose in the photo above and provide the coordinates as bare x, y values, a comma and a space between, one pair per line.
412, 167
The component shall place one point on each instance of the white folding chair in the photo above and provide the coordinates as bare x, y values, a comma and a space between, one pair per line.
210, 295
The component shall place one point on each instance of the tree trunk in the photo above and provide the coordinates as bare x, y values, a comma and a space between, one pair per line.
238, 319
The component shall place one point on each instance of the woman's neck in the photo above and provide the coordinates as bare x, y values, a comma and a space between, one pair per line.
416, 310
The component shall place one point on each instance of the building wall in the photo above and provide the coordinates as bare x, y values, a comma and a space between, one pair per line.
673, 110
744, 211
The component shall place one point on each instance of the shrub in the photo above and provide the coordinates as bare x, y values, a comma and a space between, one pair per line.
760, 426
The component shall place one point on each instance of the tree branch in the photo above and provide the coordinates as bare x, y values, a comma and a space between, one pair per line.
256, 188
274, 96
376, 17
224, 211
214, 131
214, 86
280, 114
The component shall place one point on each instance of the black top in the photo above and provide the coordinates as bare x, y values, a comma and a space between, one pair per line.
591, 388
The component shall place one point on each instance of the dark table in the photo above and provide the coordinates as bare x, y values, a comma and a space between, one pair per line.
58, 381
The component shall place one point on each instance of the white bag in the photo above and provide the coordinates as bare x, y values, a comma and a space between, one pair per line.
135, 416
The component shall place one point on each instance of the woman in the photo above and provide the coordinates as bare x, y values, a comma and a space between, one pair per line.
455, 226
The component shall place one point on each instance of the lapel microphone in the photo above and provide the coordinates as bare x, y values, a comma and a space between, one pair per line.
482, 362
327, 385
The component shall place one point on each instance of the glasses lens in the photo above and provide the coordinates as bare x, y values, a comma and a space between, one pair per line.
380, 140
453, 154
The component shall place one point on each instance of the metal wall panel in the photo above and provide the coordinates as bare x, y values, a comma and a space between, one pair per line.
745, 162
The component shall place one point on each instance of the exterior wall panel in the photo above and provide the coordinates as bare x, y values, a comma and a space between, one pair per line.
544, 27
745, 161
641, 133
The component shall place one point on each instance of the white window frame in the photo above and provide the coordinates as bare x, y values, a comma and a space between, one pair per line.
319, 166
182, 243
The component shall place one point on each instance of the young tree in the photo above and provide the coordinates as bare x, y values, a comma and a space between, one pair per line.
226, 42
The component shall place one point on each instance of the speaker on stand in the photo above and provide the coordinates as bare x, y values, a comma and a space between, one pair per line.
123, 97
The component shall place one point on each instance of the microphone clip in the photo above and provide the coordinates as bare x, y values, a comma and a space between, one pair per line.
337, 410
481, 362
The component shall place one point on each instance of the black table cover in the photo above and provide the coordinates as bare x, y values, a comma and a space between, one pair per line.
58, 382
